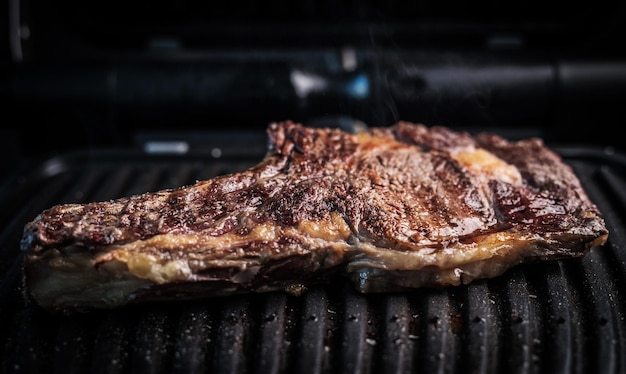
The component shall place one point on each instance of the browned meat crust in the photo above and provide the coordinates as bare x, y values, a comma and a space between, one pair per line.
394, 207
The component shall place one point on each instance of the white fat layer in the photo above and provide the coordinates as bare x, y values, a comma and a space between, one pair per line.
357, 255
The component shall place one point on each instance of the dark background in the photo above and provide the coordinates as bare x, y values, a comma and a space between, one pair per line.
80, 74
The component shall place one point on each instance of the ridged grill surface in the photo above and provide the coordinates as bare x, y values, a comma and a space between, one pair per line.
557, 317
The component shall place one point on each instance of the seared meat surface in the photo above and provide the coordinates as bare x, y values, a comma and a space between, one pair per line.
393, 208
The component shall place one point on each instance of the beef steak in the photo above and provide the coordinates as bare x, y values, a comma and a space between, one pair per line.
393, 208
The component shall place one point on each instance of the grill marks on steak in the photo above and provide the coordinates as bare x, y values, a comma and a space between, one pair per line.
398, 207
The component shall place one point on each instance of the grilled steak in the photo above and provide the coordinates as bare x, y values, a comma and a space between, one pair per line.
393, 208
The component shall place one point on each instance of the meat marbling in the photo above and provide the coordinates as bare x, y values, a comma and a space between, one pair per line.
393, 208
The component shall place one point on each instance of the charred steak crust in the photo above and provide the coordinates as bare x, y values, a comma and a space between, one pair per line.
395, 207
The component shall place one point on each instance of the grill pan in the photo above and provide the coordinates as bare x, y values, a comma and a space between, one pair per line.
560, 317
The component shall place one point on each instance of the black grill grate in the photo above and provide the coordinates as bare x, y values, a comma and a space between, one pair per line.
559, 317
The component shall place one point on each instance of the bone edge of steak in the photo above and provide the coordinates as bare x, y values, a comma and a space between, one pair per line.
67, 280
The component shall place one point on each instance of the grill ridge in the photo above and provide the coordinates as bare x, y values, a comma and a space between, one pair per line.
519, 323
482, 327
313, 333
395, 341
